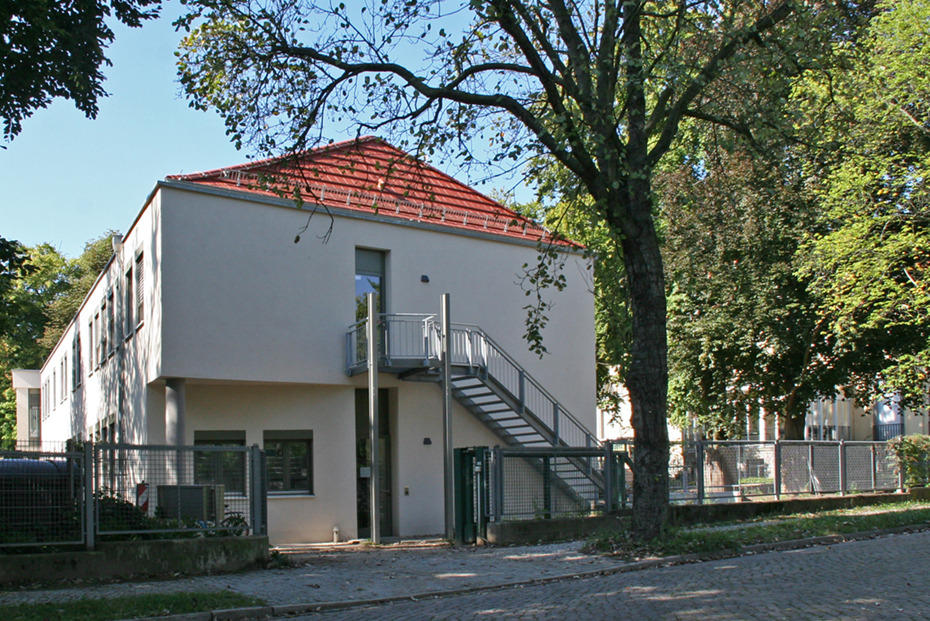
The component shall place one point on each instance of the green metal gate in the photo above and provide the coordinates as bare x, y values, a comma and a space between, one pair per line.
472, 495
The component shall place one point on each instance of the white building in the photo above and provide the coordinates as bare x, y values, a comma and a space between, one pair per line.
211, 325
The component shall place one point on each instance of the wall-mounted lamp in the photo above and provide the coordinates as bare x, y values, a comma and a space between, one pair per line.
424, 278
427, 441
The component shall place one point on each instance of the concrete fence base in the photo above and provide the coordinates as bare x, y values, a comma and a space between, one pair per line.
135, 559
532, 531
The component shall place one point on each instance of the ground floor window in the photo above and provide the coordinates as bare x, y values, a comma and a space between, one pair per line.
220, 467
289, 457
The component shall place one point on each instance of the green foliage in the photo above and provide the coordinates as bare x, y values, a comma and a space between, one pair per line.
81, 274
56, 49
868, 262
40, 292
743, 327
913, 453
130, 606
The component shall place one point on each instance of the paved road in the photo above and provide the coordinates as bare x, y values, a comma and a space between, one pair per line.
884, 578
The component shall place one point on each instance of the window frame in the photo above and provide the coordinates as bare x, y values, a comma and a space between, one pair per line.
288, 439
221, 438
139, 282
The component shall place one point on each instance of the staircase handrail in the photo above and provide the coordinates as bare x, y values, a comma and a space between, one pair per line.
563, 411
430, 324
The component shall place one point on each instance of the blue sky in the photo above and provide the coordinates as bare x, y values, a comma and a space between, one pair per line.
67, 179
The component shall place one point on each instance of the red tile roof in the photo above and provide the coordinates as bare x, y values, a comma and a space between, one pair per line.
369, 175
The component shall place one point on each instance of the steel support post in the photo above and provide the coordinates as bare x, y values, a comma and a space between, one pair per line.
371, 333
447, 465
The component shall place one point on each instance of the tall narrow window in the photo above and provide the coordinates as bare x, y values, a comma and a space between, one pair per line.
90, 346
140, 289
111, 328
369, 278
127, 304
103, 332
76, 367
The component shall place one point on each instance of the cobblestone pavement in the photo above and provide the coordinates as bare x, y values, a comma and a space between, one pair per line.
358, 573
883, 578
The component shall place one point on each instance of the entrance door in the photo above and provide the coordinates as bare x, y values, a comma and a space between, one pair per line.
363, 463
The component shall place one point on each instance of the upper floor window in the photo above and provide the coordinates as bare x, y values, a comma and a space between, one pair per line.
127, 304
369, 278
140, 289
76, 366
90, 346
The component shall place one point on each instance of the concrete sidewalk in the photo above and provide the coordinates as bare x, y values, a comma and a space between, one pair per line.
359, 572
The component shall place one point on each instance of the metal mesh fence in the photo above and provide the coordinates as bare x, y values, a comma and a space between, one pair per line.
48, 497
542, 483
735, 470
729, 471
145, 489
41, 498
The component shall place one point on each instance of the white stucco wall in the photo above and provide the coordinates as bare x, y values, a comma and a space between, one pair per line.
79, 409
241, 301
328, 411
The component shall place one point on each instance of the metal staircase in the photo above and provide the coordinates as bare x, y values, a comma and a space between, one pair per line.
490, 384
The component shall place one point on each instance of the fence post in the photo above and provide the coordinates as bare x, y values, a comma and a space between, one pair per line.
810, 467
699, 449
872, 466
621, 478
777, 470
842, 466
257, 490
497, 483
90, 524
547, 487
608, 477
521, 389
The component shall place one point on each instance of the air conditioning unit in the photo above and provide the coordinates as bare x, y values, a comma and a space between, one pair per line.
192, 502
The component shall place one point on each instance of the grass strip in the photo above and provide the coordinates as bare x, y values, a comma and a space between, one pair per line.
128, 607
734, 536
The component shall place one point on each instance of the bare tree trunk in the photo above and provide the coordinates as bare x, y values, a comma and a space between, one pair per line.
792, 427
647, 382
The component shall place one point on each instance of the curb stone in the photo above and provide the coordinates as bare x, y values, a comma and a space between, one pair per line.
235, 614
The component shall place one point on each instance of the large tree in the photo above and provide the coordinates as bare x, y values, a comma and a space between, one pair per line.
601, 88
744, 330
54, 49
870, 261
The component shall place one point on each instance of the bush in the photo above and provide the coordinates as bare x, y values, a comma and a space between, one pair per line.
913, 454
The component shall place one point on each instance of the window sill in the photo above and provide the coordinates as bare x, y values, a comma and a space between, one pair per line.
290, 495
